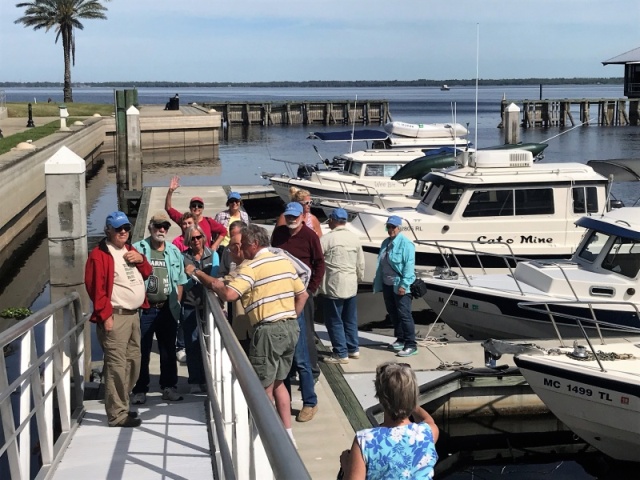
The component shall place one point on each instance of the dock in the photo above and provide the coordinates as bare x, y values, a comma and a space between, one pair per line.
558, 113
326, 112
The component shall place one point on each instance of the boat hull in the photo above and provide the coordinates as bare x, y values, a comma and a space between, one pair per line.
602, 411
479, 315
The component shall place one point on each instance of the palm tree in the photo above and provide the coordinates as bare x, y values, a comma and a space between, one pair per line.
64, 15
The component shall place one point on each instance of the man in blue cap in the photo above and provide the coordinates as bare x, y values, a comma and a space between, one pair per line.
114, 277
344, 269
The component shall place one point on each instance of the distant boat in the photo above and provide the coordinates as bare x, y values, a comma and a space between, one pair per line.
445, 88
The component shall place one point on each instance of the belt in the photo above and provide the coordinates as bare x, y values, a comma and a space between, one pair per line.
262, 324
157, 305
124, 311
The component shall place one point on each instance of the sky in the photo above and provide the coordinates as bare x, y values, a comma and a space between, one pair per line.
286, 40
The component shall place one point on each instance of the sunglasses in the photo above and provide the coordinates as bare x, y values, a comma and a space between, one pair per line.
196, 205
308, 202
196, 238
233, 200
123, 228
164, 225
390, 227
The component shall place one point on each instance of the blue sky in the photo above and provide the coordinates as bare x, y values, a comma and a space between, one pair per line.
259, 40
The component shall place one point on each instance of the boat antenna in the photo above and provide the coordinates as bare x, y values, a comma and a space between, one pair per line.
353, 124
477, 76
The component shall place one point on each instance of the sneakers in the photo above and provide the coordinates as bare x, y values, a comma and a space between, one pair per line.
139, 398
307, 413
354, 355
407, 352
171, 394
129, 422
198, 388
181, 356
133, 414
396, 346
334, 359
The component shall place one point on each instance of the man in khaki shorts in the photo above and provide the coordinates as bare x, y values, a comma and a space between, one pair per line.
114, 278
273, 296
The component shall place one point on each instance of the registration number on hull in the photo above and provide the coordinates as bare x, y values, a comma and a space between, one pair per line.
583, 391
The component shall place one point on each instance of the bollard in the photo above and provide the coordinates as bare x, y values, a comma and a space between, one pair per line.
511, 127
67, 235
64, 114
30, 123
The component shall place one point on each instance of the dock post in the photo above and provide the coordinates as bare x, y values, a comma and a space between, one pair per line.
511, 128
134, 150
67, 237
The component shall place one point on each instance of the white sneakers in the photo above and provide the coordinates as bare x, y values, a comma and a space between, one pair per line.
181, 356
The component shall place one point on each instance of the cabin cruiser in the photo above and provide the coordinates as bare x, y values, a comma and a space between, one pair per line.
601, 282
500, 201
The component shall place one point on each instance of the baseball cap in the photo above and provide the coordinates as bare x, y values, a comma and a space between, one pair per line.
339, 214
196, 199
234, 196
294, 209
117, 219
160, 217
394, 220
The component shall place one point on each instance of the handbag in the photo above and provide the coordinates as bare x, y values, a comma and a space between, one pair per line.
418, 288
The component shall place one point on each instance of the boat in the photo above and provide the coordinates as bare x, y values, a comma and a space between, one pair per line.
594, 392
445, 88
500, 201
426, 130
601, 281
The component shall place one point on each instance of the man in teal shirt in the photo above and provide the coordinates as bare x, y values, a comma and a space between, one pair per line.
164, 291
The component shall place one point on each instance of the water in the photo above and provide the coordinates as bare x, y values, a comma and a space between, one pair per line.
249, 151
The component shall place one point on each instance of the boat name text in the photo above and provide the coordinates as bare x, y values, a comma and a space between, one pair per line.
523, 239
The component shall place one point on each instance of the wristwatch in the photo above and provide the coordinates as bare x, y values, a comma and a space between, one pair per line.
193, 274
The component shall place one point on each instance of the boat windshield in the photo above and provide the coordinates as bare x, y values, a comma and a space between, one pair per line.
623, 257
354, 168
447, 198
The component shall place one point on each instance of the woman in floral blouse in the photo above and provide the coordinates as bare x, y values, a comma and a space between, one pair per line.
399, 448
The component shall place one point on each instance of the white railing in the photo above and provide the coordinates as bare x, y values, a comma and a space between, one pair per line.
247, 436
48, 384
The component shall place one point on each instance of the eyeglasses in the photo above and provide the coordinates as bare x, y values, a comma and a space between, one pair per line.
391, 227
308, 202
164, 225
196, 237
196, 205
123, 228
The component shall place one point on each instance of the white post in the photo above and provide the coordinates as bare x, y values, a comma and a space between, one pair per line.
64, 114
134, 150
511, 125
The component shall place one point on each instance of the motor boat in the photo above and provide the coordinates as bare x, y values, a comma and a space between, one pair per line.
595, 392
500, 201
426, 130
445, 88
600, 282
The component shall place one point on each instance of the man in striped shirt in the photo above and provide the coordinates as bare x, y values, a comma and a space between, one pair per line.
273, 296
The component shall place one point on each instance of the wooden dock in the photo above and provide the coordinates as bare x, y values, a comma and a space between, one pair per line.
558, 113
326, 112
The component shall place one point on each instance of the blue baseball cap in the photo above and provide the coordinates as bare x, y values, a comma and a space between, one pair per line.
117, 219
394, 220
234, 196
339, 214
293, 209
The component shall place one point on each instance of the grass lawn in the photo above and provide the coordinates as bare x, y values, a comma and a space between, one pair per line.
52, 109
36, 133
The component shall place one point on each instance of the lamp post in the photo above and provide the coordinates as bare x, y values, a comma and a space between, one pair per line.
63, 118
30, 123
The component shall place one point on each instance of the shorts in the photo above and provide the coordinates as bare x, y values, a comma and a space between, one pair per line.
271, 350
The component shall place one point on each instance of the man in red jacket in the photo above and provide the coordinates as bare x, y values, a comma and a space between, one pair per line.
114, 277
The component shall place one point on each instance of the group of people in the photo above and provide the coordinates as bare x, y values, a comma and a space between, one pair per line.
268, 284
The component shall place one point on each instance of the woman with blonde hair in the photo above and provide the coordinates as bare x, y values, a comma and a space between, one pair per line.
399, 447
303, 197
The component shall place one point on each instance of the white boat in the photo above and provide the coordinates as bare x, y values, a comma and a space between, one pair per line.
501, 201
601, 282
426, 130
595, 392
445, 88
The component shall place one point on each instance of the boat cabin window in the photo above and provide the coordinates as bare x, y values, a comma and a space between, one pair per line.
623, 257
501, 203
585, 200
381, 170
354, 168
593, 246
447, 199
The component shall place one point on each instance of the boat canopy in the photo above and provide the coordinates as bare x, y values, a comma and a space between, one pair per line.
346, 136
622, 169
608, 228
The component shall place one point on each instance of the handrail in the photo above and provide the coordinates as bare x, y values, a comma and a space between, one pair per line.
248, 430
55, 371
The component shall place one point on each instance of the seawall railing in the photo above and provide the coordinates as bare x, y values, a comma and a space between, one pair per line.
47, 392
248, 438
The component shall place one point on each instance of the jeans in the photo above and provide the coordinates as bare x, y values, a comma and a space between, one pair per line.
180, 337
309, 313
302, 366
399, 309
192, 345
341, 320
158, 321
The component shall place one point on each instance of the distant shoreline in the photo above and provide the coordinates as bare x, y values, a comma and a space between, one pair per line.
328, 83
